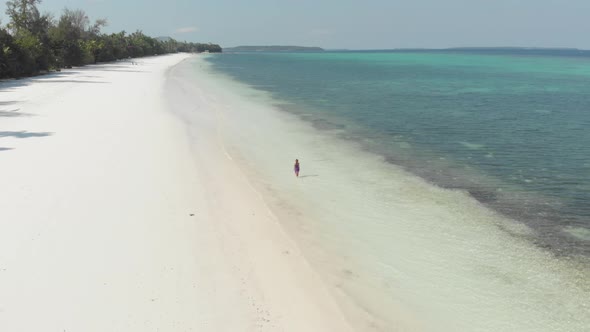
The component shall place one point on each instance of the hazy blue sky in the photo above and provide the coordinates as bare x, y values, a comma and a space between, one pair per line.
349, 24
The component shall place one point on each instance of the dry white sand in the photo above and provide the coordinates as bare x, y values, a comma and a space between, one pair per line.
110, 220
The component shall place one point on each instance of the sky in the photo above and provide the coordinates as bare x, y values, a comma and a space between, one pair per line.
347, 24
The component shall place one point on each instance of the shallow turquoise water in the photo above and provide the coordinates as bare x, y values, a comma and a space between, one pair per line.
396, 251
511, 129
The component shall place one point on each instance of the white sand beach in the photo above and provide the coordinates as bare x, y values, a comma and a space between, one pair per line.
112, 220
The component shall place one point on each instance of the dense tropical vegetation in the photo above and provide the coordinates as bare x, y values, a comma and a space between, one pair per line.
33, 43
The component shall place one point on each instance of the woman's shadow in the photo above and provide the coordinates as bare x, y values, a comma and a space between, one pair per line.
309, 176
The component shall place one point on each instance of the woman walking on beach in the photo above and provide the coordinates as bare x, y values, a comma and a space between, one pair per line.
296, 167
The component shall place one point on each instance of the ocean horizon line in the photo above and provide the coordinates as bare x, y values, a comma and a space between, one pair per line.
549, 51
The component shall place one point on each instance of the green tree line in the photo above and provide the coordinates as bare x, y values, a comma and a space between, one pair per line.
33, 43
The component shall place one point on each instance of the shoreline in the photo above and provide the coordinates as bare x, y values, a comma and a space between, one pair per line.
111, 221
394, 249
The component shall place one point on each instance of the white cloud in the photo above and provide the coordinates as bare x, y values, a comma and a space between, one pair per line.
186, 30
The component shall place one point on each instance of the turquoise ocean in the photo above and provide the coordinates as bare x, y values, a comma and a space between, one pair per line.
440, 190
512, 129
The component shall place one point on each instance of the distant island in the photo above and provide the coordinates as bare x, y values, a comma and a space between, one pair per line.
544, 51
274, 48
512, 48
526, 51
